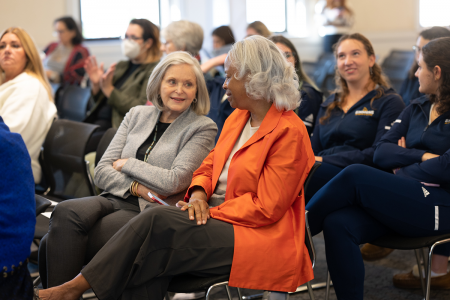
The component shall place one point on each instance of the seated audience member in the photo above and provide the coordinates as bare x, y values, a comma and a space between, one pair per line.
188, 36
410, 87
353, 119
310, 95
64, 61
156, 149
362, 203
258, 168
26, 103
123, 85
223, 39
258, 28
17, 216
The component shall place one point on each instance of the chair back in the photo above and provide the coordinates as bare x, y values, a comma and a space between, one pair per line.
324, 73
104, 143
308, 238
41, 204
63, 159
396, 66
73, 102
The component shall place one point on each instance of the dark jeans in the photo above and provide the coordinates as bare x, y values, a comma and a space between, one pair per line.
362, 204
78, 230
139, 261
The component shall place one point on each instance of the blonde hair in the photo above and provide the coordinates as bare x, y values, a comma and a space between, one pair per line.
268, 74
201, 107
34, 65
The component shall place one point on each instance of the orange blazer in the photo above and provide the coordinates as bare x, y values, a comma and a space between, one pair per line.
262, 199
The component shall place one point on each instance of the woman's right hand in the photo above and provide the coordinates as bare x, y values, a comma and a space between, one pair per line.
94, 72
197, 207
428, 156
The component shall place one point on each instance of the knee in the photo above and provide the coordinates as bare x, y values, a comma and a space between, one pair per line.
354, 173
63, 213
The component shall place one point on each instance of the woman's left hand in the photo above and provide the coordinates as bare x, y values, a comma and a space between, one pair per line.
402, 142
318, 158
106, 82
196, 207
118, 164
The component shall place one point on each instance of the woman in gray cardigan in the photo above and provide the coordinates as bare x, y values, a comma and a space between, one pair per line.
156, 149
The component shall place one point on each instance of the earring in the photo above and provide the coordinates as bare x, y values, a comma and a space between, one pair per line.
195, 100
370, 70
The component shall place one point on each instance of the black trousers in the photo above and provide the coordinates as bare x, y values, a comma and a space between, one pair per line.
139, 261
78, 230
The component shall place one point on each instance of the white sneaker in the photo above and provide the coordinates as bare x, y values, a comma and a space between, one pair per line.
189, 296
269, 295
415, 272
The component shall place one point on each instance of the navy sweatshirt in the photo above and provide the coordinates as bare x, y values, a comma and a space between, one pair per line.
310, 105
350, 138
420, 138
410, 90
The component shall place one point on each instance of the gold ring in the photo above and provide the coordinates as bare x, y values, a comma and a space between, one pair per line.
190, 205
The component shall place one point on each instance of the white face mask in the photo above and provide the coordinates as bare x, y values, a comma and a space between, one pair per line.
130, 48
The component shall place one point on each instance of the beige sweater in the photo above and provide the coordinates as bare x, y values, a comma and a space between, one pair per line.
26, 108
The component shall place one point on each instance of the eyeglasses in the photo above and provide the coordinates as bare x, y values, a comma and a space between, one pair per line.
131, 37
417, 49
59, 32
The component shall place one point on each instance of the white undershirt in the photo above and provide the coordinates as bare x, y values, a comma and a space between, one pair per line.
246, 134
431, 111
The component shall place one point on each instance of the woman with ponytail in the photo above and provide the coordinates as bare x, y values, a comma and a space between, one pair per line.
352, 120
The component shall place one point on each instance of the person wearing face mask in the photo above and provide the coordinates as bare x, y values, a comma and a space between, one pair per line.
123, 85
156, 149
353, 119
410, 87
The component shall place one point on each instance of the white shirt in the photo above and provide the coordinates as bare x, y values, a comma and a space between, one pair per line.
246, 134
26, 108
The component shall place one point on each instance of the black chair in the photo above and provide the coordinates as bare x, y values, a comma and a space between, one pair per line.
63, 160
324, 73
187, 283
73, 103
104, 143
41, 204
396, 66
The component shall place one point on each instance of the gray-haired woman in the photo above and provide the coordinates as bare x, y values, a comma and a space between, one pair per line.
183, 36
156, 149
258, 168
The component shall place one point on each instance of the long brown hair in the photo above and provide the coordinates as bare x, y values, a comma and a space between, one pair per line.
260, 28
437, 53
34, 65
150, 31
376, 76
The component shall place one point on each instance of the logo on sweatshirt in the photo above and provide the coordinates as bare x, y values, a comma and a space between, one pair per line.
447, 121
364, 112
425, 192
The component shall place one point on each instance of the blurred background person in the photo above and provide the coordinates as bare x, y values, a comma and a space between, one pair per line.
26, 103
17, 216
335, 19
123, 86
64, 61
258, 28
410, 87
310, 95
223, 39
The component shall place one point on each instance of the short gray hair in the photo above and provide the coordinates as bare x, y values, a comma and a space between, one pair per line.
269, 75
185, 35
201, 107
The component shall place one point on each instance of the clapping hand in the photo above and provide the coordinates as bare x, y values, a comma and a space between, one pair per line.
106, 81
94, 72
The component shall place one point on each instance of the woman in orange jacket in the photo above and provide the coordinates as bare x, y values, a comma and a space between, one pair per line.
255, 176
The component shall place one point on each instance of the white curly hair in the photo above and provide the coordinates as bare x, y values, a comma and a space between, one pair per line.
268, 74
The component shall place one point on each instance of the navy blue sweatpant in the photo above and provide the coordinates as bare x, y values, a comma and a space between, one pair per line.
361, 204
322, 176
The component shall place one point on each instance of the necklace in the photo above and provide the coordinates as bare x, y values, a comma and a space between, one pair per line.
151, 146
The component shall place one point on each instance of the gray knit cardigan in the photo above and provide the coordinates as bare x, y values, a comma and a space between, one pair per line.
173, 160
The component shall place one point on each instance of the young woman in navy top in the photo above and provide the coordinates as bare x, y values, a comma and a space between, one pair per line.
352, 120
363, 203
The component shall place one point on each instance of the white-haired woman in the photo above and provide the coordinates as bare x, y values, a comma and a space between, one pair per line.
258, 168
183, 36
156, 149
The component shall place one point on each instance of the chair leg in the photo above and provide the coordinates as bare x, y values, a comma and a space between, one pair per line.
310, 290
428, 274
239, 293
327, 295
37, 281
228, 292
421, 267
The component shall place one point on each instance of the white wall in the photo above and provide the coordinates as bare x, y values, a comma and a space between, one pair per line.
389, 24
